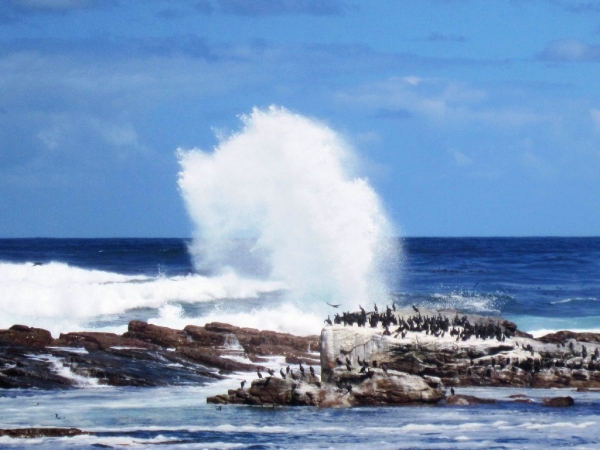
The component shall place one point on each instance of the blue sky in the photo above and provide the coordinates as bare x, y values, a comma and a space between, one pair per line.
471, 118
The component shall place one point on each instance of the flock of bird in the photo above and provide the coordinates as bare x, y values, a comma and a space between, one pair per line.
439, 326
289, 372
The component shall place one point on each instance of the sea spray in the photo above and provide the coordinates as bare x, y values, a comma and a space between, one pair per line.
62, 298
285, 184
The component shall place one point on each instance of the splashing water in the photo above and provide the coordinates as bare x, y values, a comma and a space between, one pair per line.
284, 183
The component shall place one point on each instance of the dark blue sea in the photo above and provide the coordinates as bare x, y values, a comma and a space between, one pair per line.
542, 284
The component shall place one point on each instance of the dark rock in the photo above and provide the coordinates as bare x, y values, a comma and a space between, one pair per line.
161, 336
559, 402
258, 343
564, 336
210, 358
25, 336
41, 432
102, 341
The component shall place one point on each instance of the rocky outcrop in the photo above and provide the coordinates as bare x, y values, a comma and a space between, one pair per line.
565, 336
146, 355
375, 388
100, 341
30, 433
22, 335
464, 351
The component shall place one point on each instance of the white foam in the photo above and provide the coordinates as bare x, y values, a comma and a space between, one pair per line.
543, 332
57, 296
287, 318
64, 371
286, 181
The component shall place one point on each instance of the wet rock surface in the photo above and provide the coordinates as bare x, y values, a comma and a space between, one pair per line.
146, 355
30, 433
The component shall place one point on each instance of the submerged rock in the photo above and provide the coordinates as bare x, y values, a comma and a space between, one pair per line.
559, 402
464, 400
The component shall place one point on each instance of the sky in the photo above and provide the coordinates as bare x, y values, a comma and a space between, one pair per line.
469, 117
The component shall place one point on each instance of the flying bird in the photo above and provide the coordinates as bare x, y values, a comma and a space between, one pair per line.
335, 306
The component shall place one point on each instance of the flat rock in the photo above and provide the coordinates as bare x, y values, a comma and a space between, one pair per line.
25, 336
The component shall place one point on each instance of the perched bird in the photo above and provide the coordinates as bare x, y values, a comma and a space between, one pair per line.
271, 372
258, 373
287, 369
312, 371
282, 373
416, 309
452, 390
339, 361
243, 383
301, 369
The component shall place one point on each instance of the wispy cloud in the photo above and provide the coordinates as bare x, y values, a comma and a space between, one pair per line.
595, 116
460, 158
570, 51
399, 113
436, 99
579, 7
440, 37
283, 7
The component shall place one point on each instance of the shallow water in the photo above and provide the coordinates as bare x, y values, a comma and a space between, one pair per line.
181, 418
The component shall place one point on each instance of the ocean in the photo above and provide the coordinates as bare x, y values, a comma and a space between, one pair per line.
542, 284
